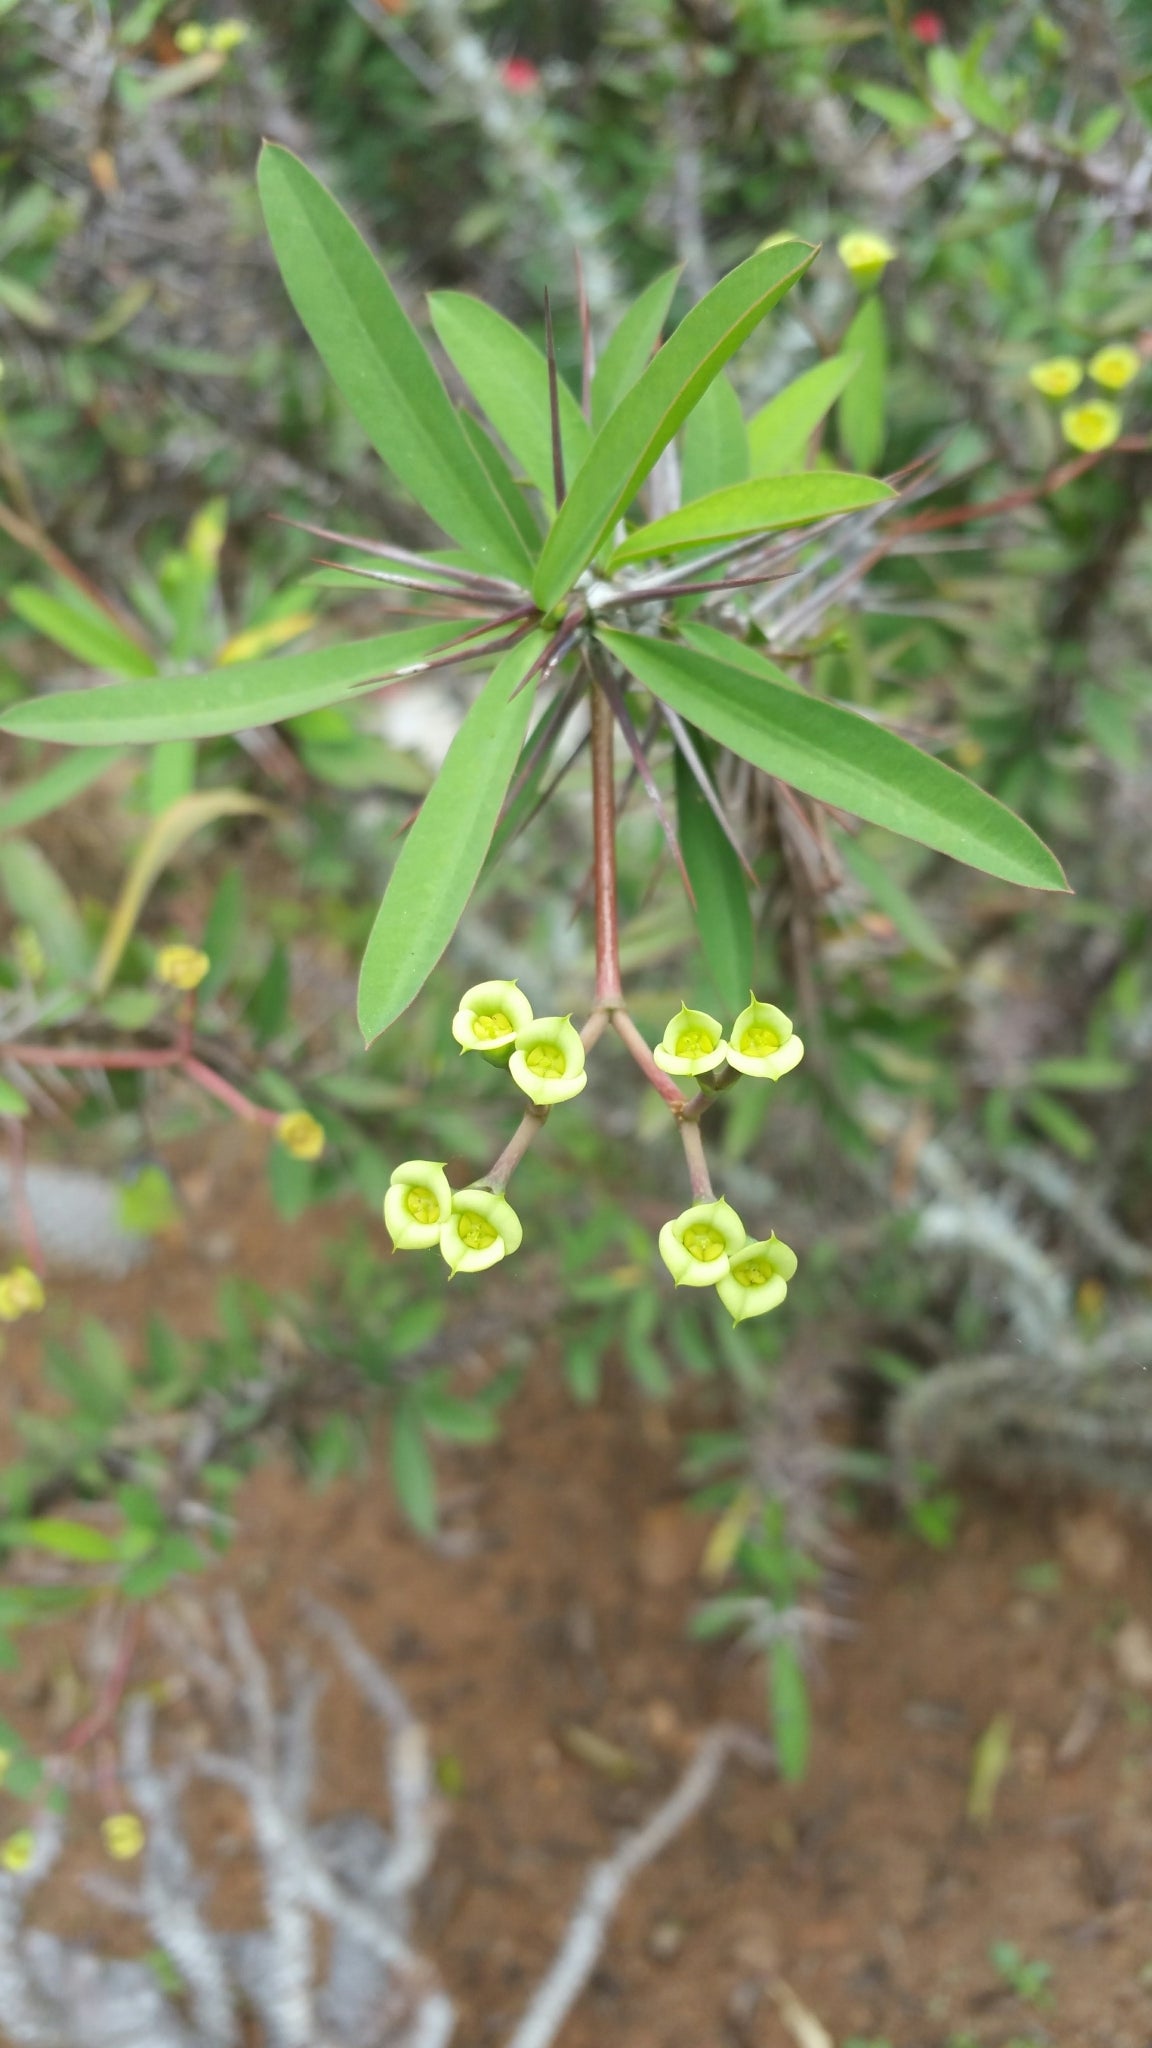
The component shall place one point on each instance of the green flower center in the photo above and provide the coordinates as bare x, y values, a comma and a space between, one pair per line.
547, 1061
421, 1203
753, 1273
701, 1242
759, 1040
490, 1024
476, 1232
695, 1043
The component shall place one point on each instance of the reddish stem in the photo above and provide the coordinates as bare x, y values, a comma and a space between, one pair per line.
639, 1048
106, 1707
214, 1084
499, 1174
89, 1056
608, 985
698, 1173
26, 1229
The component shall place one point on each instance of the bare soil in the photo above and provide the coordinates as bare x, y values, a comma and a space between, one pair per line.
556, 1610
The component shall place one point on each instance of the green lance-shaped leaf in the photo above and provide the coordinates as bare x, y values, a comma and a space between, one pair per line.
714, 447
861, 410
508, 377
65, 779
656, 407
778, 435
628, 351
511, 495
764, 505
444, 851
840, 758
378, 362
161, 843
81, 629
38, 896
228, 699
723, 916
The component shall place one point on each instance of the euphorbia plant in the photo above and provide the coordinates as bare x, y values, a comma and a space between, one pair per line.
575, 571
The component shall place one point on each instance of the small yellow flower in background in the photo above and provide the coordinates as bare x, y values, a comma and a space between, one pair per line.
17, 1851
227, 37
30, 955
300, 1134
548, 1063
122, 1835
1056, 376
182, 967
21, 1294
865, 255
696, 1245
1091, 426
489, 1017
482, 1229
757, 1279
417, 1205
693, 1043
1115, 366
191, 38
762, 1042
5, 1763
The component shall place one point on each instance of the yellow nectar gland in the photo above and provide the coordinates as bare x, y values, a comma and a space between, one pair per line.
421, 1204
694, 1044
701, 1242
476, 1232
491, 1024
758, 1041
753, 1273
547, 1061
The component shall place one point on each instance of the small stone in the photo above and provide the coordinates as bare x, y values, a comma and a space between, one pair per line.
666, 1940
1093, 1547
1132, 1654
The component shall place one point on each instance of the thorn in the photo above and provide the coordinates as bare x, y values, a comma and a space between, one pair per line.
554, 404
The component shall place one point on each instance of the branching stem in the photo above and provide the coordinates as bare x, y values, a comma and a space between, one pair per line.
608, 985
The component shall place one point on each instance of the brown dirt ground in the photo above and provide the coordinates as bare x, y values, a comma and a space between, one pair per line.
562, 1601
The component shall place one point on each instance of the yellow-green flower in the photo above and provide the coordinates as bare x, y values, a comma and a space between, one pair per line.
482, 1229
489, 1017
17, 1851
1056, 376
300, 1134
1115, 366
697, 1245
191, 38
1091, 426
865, 255
21, 1294
182, 967
757, 1278
548, 1063
762, 1042
227, 36
122, 1835
693, 1043
417, 1205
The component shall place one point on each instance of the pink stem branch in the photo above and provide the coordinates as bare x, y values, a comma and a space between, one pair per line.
698, 1174
663, 1083
608, 984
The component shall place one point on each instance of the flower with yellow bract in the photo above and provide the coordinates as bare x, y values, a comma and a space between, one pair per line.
489, 1016
190, 38
17, 1851
762, 1042
757, 1279
300, 1134
122, 1835
548, 1063
482, 1229
865, 255
417, 1205
182, 967
696, 1246
1056, 376
227, 36
1091, 426
693, 1043
21, 1294
1115, 365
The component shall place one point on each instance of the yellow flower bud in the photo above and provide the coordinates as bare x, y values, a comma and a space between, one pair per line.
1115, 366
300, 1134
191, 38
1056, 376
182, 967
21, 1294
1091, 426
122, 1835
865, 255
17, 1851
228, 36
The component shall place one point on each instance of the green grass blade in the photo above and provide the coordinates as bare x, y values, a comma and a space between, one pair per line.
81, 630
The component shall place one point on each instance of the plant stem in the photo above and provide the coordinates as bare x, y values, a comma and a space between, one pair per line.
90, 1056
26, 1229
608, 985
663, 1083
698, 1173
214, 1084
499, 1174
